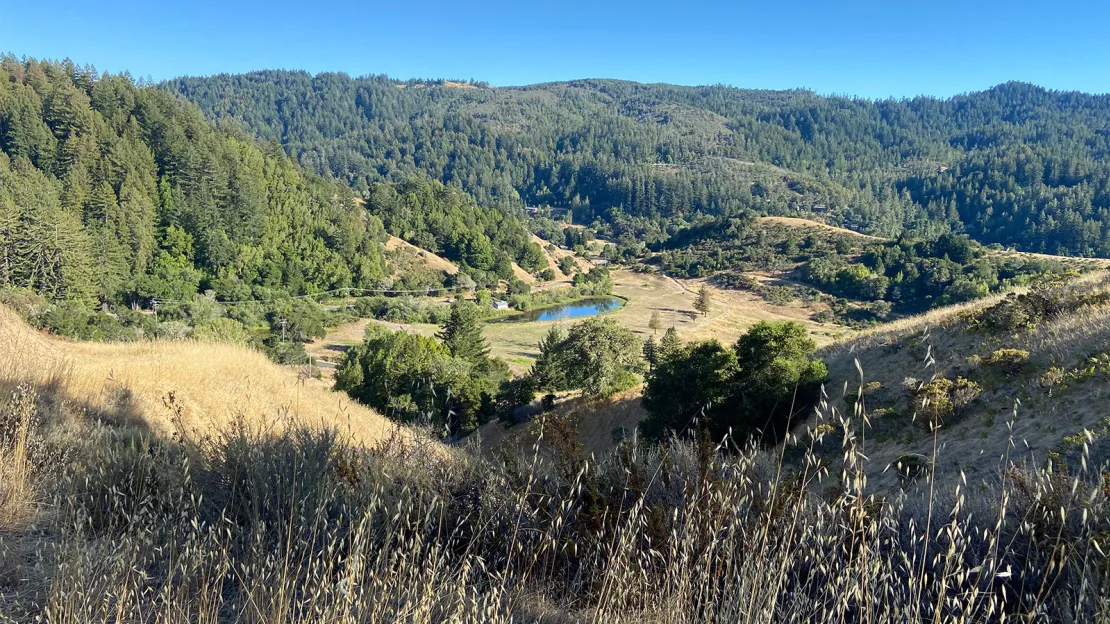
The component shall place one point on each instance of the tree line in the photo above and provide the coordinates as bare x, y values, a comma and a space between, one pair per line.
117, 195
1015, 164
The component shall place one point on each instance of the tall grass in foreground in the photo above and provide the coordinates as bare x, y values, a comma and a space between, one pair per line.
16, 490
300, 526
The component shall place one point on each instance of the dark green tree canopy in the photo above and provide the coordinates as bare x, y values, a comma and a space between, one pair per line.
757, 388
462, 333
1015, 164
123, 193
414, 378
597, 356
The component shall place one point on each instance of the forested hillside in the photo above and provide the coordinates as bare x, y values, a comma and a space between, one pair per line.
1016, 164
119, 193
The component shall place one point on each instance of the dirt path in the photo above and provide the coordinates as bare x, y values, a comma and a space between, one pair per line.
677, 283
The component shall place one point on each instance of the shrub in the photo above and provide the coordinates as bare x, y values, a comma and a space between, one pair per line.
942, 399
289, 352
173, 330
1051, 378
756, 388
223, 330
1026, 311
1009, 361
911, 466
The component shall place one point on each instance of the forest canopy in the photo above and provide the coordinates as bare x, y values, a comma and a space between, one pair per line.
1016, 164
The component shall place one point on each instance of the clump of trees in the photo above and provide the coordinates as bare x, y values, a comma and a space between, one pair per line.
449, 381
914, 274
754, 388
444, 220
597, 356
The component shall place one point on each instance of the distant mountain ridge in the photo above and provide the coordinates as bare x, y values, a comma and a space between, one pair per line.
1015, 164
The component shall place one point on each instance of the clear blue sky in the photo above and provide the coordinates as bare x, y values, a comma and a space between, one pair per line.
859, 47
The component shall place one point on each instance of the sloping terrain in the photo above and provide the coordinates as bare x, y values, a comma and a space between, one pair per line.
1004, 383
173, 386
1015, 164
406, 255
805, 224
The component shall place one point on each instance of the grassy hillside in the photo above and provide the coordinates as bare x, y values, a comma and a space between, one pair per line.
1034, 370
177, 387
111, 512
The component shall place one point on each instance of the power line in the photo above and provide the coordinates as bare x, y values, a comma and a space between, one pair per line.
348, 291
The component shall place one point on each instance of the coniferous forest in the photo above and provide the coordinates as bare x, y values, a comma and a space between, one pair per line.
1016, 164
119, 193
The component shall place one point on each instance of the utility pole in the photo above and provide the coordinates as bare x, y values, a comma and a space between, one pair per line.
154, 304
283, 322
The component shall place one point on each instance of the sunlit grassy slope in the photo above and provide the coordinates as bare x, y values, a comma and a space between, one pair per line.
201, 385
1016, 415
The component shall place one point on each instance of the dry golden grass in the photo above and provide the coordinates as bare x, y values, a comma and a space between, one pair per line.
16, 488
596, 423
202, 385
554, 256
731, 313
421, 256
1009, 408
523, 275
807, 223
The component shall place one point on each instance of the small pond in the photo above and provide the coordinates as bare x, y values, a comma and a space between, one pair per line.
581, 308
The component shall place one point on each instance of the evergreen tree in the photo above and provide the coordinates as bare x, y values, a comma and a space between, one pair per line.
702, 302
651, 355
655, 324
548, 372
669, 345
462, 333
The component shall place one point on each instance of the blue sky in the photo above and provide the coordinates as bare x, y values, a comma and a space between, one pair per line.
860, 47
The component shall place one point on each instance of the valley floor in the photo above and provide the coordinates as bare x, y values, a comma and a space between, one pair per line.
731, 314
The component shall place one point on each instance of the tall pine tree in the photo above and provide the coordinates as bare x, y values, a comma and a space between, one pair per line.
462, 333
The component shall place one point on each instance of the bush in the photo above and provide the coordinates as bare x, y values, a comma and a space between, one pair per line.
173, 330
289, 352
755, 389
1026, 311
1009, 361
223, 330
942, 399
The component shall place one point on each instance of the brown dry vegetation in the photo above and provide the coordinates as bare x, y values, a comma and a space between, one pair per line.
804, 224
169, 386
598, 426
298, 525
407, 254
1014, 418
557, 254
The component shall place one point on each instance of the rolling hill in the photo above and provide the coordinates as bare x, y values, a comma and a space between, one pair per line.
174, 387
1015, 164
